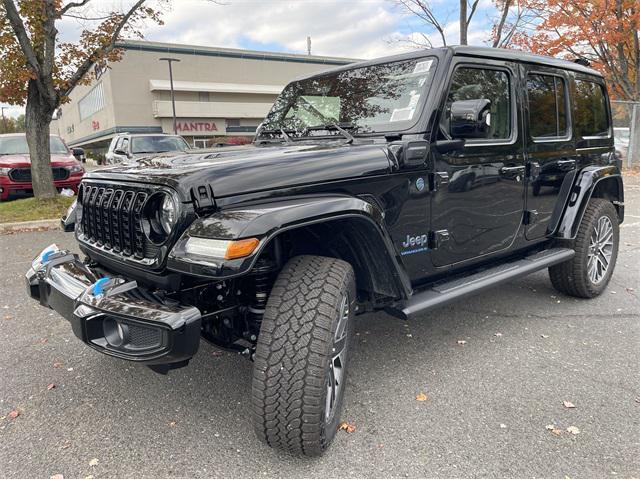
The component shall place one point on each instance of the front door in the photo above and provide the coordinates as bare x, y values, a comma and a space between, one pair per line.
551, 149
478, 205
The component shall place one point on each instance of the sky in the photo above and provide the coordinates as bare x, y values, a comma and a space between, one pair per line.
350, 28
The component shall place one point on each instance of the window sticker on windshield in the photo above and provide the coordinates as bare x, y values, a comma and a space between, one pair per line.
413, 102
423, 67
402, 114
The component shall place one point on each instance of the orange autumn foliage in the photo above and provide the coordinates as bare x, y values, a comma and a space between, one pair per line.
603, 31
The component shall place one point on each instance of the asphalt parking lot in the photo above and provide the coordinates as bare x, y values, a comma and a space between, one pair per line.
489, 401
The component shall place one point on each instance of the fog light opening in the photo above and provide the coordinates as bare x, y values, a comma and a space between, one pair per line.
115, 332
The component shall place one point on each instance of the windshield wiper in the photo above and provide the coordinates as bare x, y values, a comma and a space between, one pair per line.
335, 126
344, 132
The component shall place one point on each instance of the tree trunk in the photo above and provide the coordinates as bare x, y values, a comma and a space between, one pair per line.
463, 22
38, 117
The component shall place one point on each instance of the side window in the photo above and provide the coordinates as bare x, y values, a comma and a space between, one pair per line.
547, 106
118, 144
474, 86
125, 144
590, 109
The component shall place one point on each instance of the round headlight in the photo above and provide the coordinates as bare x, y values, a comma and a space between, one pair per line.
168, 213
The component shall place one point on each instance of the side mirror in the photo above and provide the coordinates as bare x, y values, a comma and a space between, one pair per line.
79, 154
470, 118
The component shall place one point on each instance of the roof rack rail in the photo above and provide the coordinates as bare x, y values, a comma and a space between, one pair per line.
582, 61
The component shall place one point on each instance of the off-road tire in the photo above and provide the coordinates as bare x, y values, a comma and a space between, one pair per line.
294, 354
571, 277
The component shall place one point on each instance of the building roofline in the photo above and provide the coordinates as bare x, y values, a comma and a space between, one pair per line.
182, 49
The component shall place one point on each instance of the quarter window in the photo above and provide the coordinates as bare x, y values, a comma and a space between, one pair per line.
547, 106
590, 115
480, 84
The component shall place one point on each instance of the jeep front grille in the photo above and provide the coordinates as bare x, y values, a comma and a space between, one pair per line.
112, 219
23, 175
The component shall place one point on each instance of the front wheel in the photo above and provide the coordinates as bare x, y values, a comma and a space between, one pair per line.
587, 274
301, 360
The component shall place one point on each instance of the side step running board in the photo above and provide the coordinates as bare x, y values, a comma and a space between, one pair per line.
444, 293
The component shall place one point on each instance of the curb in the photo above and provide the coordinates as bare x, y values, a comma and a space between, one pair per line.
39, 225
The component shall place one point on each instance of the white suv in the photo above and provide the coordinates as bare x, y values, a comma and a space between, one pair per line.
127, 146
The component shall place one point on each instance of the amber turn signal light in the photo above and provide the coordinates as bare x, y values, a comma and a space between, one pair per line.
241, 248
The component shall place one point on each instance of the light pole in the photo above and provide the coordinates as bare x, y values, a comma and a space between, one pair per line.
173, 100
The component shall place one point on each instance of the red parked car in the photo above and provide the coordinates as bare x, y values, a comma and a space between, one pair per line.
15, 166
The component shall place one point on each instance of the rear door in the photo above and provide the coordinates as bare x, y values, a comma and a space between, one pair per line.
477, 208
550, 146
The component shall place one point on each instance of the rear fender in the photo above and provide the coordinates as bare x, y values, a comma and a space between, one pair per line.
361, 224
591, 182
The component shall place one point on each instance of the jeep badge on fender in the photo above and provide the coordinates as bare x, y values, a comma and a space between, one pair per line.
400, 184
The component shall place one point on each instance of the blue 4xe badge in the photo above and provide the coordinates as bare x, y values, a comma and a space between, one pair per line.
417, 244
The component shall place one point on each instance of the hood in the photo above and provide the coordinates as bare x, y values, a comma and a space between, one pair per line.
17, 161
238, 170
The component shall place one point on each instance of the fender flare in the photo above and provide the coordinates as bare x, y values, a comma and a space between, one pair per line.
265, 221
575, 200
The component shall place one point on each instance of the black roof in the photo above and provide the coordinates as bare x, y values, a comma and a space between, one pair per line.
520, 56
469, 51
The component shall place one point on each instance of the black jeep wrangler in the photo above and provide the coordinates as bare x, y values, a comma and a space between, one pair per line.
399, 184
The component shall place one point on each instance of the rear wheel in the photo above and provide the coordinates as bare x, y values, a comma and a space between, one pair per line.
587, 274
301, 360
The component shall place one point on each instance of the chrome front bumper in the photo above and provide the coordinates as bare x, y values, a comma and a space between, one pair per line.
104, 314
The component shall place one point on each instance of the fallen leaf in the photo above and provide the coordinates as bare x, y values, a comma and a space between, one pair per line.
638, 399
94, 462
69, 369
498, 335
172, 424
544, 336
66, 445
57, 365
573, 430
568, 404
421, 397
217, 354
462, 342
14, 414
51, 386
345, 426
8, 317
44, 341
554, 430
503, 426
630, 290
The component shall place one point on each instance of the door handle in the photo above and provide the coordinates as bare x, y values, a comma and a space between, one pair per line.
567, 162
510, 170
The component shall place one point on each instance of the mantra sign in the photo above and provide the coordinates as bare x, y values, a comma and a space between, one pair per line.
196, 126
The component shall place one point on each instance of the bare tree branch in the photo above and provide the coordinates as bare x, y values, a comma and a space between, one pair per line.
71, 5
422, 10
84, 68
21, 34
503, 18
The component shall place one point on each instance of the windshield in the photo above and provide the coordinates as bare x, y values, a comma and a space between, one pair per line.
157, 144
376, 98
17, 145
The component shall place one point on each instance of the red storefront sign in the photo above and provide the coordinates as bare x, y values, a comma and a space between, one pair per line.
196, 126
